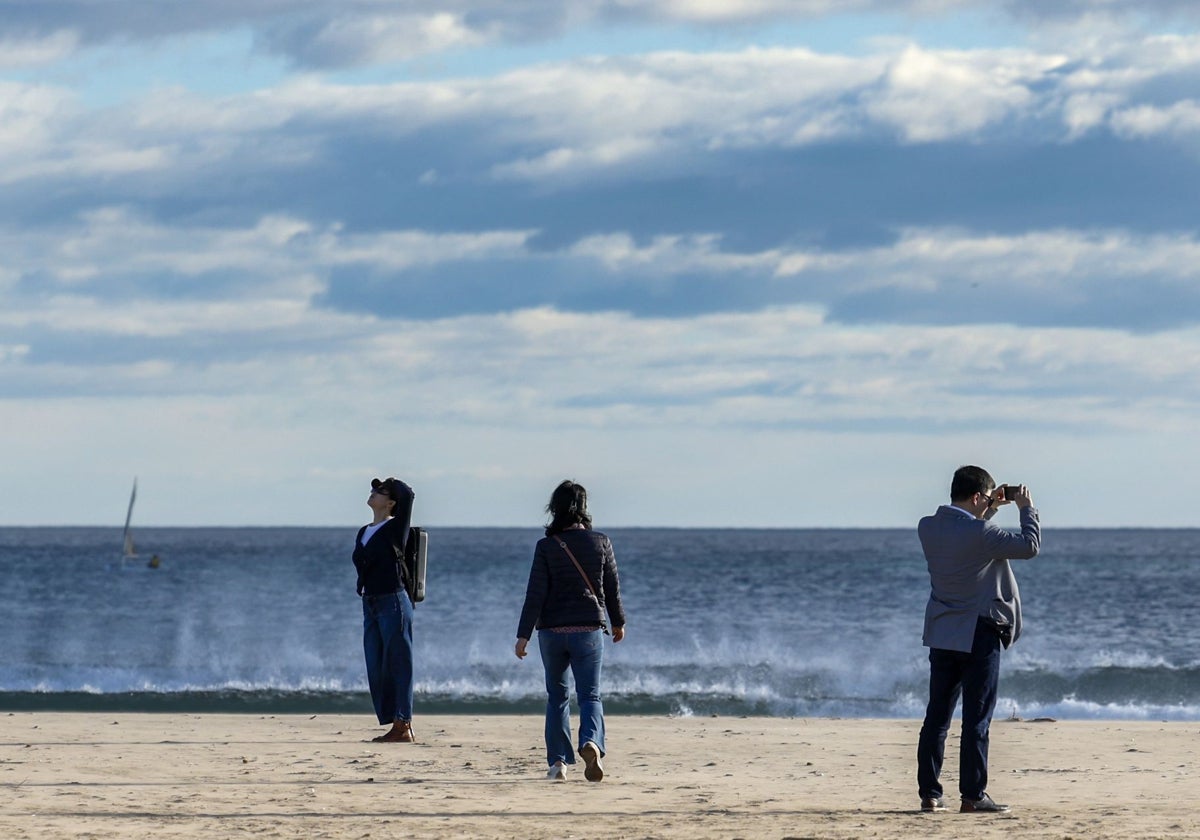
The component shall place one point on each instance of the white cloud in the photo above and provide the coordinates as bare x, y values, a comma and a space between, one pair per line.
779, 367
784, 365
27, 113
272, 272
586, 117
358, 38
724, 11
1048, 266
398, 250
45, 133
530, 394
932, 96
279, 257
339, 33
1181, 119
1084, 112
669, 255
26, 52
1049, 263
597, 156
13, 352
94, 316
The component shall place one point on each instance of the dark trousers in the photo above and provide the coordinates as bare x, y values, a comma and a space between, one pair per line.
975, 677
388, 647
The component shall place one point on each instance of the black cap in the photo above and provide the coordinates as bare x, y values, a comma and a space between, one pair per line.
385, 486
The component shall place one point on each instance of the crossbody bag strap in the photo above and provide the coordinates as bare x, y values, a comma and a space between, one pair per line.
586, 579
582, 573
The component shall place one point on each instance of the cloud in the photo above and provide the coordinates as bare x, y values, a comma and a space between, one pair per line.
45, 134
353, 39
26, 115
17, 51
117, 290
780, 368
937, 96
717, 12
329, 33
11, 352
1180, 120
1075, 9
938, 187
660, 114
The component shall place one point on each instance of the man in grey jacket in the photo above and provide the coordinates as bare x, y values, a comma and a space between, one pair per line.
974, 611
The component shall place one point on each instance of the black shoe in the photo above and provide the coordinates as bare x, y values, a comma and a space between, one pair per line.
933, 803
981, 806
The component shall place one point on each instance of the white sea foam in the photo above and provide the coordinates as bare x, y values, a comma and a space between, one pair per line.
1075, 709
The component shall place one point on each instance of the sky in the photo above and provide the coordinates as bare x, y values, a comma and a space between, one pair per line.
762, 263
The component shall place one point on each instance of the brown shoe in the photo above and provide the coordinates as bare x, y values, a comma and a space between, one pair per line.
400, 733
982, 806
933, 803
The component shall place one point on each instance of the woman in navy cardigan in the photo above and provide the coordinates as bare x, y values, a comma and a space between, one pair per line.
387, 609
572, 596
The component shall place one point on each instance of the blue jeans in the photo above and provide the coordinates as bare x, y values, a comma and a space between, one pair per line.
388, 646
583, 654
974, 676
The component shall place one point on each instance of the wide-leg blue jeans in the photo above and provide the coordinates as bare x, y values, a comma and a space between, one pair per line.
974, 676
388, 647
583, 654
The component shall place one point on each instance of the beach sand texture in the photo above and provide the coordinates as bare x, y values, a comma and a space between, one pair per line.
213, 776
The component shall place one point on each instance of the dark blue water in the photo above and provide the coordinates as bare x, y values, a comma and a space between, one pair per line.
771, 622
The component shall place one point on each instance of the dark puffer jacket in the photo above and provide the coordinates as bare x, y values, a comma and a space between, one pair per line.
558, 597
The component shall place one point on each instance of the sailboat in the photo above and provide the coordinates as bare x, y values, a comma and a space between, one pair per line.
129, 552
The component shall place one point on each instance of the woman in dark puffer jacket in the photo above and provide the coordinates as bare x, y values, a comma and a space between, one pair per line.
572, 597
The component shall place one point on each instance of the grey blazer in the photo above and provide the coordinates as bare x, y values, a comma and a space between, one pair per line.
970, 576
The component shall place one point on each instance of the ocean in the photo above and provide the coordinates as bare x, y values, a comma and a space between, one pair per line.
726, 622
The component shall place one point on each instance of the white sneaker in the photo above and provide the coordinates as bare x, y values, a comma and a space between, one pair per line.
557, 773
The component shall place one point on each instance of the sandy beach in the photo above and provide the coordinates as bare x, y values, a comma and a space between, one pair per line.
205, 776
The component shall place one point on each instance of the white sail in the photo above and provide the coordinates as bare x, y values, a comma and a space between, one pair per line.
130, 549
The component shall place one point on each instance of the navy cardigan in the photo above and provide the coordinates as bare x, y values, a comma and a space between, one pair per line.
379, 566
